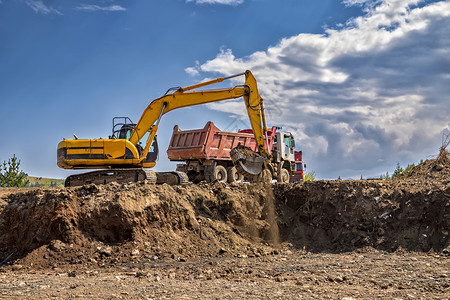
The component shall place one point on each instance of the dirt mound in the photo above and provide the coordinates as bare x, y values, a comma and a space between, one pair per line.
345, 215
118, 223
411, 211
162, 220
430, 171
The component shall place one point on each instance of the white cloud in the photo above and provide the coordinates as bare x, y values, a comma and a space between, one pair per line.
40, 7
374, 90
225, 2
192, 71
91, 7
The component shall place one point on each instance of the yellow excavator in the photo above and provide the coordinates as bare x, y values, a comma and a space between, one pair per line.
132, 148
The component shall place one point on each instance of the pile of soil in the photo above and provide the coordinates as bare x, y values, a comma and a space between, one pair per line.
347, 215
117, 221
429, 172
110, 224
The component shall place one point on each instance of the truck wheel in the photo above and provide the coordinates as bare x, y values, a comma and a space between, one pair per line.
283, 176
233, 175
220, 174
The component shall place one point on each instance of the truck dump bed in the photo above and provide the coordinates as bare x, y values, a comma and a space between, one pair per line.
209, 143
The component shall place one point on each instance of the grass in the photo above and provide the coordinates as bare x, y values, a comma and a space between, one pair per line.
41, 181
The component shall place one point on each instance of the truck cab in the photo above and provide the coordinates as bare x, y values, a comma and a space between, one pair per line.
283, 151
283, 146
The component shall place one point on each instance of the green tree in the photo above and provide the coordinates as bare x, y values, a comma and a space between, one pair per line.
386, 176
398, 170
11, 175
409, 167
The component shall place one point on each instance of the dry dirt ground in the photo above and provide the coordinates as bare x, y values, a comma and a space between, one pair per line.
323, 239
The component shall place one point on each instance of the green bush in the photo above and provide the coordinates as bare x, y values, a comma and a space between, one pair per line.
310, 176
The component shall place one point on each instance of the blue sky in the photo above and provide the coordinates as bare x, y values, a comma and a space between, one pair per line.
362, 84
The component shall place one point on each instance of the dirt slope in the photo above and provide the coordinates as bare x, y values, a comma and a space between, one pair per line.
114, 222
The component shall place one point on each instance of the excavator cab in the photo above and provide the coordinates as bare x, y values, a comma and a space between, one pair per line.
122, 129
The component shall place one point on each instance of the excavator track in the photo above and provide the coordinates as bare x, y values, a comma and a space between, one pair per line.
126, 176
172, 178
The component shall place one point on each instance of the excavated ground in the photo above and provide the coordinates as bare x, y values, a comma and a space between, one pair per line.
335, 239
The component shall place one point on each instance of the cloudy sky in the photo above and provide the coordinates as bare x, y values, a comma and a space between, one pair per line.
363, 85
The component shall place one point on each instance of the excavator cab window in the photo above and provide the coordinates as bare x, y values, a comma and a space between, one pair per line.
122, 128
125, 131
153, 152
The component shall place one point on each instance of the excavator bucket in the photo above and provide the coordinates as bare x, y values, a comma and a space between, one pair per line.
246, 161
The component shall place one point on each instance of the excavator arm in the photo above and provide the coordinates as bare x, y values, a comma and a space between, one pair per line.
185, 97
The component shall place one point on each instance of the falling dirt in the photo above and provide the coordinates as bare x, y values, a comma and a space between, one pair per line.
272, 234
116, 225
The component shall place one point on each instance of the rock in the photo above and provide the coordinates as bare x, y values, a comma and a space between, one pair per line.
57, 245
72, 274
135, 252
44, 286
153, 257
141, 274
16, 267
107, 251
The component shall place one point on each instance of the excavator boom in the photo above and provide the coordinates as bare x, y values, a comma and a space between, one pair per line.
183, 98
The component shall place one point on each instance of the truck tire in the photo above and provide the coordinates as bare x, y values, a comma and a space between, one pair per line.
233, 175
220, 174
283, 176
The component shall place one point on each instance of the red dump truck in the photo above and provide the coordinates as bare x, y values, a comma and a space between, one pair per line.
206, 153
